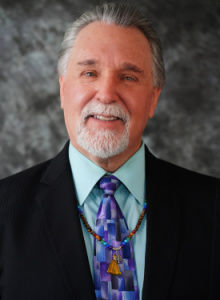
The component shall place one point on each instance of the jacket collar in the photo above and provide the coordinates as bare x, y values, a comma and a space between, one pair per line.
163, 227
58, 204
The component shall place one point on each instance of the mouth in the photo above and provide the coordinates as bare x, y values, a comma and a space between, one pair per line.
104, 118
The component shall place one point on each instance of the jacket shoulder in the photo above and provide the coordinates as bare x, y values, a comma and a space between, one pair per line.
186, 175
31, 174
182, 177
21, 186
21, 189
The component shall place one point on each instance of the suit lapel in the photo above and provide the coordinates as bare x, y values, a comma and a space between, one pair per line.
163, 229
58, 204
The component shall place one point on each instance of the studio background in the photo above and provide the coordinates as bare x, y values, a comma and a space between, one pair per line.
186, 127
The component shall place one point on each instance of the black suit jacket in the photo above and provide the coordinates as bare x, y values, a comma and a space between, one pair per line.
42, 250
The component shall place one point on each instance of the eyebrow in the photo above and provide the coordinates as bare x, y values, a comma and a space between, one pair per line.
131, 67
125, 66
87, 62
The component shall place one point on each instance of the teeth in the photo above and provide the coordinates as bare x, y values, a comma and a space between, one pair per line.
105, 118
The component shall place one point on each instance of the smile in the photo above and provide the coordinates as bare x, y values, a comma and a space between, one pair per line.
105, 118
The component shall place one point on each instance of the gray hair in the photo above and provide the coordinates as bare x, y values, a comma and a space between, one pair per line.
120, 14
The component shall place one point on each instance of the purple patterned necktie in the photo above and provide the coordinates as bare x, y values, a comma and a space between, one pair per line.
112, 227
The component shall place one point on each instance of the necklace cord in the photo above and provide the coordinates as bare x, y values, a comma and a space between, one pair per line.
102, 241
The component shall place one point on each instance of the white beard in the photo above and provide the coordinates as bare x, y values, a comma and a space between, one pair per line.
102, 142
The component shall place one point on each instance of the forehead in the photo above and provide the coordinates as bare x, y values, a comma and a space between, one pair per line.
111, 42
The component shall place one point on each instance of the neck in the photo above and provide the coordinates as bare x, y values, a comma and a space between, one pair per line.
110, 164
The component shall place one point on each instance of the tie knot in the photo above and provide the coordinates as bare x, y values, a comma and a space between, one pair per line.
109, 184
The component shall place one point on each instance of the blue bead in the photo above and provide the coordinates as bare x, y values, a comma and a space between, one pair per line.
123, 243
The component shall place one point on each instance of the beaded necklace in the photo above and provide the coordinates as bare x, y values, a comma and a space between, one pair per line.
117, 258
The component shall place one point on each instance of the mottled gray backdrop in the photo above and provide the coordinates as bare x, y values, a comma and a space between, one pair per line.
186, 126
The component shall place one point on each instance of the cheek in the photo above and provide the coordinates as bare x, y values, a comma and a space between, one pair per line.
77, 96
139, 111
140, 106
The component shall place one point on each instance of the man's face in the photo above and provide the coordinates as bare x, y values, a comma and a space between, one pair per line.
107, 93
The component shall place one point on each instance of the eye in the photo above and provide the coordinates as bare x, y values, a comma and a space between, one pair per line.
129, 78
89, 74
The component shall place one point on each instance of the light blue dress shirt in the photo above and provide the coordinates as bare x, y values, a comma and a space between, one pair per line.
130, 196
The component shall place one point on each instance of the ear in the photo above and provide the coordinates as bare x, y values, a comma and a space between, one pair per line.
155, 97
62, 84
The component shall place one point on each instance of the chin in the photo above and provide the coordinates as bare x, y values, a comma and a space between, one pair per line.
102, 143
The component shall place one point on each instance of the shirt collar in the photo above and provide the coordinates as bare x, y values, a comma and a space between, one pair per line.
86, 174
132, 174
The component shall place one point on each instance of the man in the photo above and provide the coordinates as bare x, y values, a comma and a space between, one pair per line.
111, 74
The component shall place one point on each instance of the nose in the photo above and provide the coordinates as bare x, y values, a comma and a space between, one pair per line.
107, 89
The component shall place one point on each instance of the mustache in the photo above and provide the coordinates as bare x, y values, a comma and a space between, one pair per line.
97, 108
